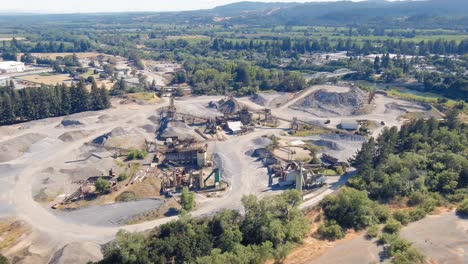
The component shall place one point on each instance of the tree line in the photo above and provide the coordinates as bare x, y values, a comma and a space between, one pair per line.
355, 47
20, 105
268, 230
10, 49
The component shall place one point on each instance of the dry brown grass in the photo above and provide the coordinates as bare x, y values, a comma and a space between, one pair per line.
188, 37
11, 231
46, 79
148, 188
143, 96
463, 117
10, 38
80, 55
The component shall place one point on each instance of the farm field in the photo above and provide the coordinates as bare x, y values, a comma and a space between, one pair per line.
47, 79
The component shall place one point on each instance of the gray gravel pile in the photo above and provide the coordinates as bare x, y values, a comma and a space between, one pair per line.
325, 103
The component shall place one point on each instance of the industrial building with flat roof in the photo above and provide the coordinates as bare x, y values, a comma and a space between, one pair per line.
11, 66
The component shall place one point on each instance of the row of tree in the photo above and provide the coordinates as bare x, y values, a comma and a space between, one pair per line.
19, 105
17, 46
355, 47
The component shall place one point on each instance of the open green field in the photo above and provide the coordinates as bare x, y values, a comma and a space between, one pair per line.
424, 97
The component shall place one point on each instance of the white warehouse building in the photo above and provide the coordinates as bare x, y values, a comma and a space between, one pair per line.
11, 66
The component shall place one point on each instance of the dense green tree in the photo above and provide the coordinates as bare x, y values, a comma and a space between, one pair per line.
102, 185
7, 113
351, 208
126, 248
187, 199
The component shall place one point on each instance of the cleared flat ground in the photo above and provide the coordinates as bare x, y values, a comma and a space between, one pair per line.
46, 79
441, 238
80, 55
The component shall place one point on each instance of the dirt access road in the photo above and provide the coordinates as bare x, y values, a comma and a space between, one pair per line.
381, 110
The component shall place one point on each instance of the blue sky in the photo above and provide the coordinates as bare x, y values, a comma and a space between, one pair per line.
79, 6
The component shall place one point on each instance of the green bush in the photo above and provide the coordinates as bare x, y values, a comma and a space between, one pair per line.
403, 217
187, 199
386, 238
126, 197
351, 208
458, 196
392, 226
417, 214
102, 185
122, 176
136, 154
398, 245
462, 209
330, 231
410, 256
339, 170
416, 198
373, 231
3, 260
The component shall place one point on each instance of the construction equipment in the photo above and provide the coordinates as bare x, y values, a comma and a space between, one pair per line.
295, 124
217, 177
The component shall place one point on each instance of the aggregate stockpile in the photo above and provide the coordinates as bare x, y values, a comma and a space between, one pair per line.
332, 101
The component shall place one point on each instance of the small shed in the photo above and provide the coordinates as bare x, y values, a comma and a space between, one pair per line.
235, 127
349, 125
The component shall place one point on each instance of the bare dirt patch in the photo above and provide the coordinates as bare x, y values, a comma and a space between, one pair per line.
272, 100
14, 148
80, 55
79, 253
46, 79
441, 238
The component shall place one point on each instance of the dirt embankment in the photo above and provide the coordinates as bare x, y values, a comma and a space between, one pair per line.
72, 136
14, 148
273, 100
78, 253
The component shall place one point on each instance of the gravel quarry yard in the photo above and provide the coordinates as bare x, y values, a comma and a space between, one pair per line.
41, 161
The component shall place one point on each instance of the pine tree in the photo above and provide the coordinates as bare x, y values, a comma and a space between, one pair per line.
43, 102
7, 115
95, 100
65, 102
79, 98
28, 111
104, 97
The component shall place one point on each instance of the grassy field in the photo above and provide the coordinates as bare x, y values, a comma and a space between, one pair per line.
143, 96
10, 38
47, 79
80, 55
424, 97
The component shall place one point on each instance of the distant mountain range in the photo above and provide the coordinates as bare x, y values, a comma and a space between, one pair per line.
374, 12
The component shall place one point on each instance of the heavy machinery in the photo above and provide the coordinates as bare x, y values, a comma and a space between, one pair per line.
217, 178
